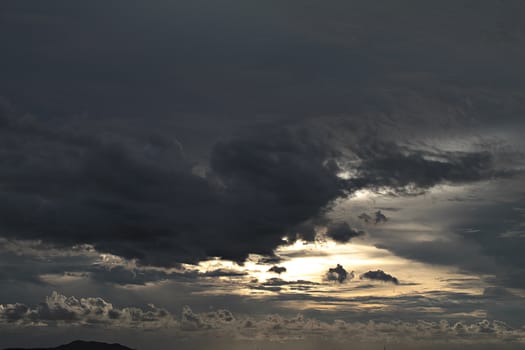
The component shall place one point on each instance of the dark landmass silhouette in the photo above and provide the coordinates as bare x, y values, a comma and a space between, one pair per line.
81, 345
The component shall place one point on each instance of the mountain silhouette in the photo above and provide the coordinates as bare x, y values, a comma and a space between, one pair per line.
82, 345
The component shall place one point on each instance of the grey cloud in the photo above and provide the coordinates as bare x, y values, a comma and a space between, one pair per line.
389, 208
380, 217
34, 262
365, 217
450, 253
280, 282
141, 199
191, 321
277, 269
468, 236
121, 275
351, 44
28, 261
269, 260
338, 274
379, 275
123, 183
113, 194
124, 275
303, 253
342, 232
61, 310
223, 273
377, 218
277, 284
405, 171
498, 292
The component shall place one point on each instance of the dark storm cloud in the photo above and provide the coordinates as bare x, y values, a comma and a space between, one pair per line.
276, 182
379, 275
121, 108
142, 199
342, 232
147, 197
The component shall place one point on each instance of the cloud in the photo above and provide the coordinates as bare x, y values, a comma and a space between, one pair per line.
365, 217
498, 293
223, 273
379, 275
143, 201
277, 284
87, 263
61, 311
410, 172
338, 274
342, 232
139, 275
378, 217
280, 282
191, 321
140, 197
277, 269
167, 166
269, 260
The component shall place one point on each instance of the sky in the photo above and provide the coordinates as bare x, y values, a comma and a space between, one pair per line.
271, 174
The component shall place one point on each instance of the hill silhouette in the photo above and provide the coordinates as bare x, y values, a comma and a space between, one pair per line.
81, 345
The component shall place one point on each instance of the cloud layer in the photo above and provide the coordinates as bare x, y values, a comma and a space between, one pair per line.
143, 199
59, 310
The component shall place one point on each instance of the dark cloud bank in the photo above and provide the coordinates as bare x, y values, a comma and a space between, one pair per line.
144, 199
98, 162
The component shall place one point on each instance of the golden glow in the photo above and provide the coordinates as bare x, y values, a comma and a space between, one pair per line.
309, 261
